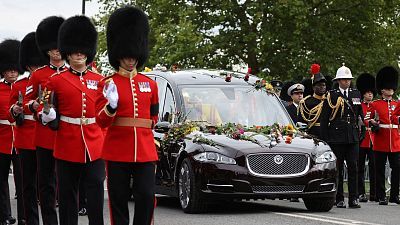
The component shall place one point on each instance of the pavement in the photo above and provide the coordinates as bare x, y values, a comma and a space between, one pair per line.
263, 212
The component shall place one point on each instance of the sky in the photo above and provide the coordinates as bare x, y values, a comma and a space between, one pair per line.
19, 17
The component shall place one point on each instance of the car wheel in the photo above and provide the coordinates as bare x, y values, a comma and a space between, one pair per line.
319, 204
189, 197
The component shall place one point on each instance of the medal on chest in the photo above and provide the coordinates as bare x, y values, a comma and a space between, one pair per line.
356, 101
144, 87
92, 84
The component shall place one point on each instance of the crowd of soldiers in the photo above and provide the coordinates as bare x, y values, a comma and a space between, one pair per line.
358, 124
63, 125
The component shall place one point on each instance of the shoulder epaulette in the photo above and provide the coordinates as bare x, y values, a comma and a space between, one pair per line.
22, 77
145, 76
107, 78
42, 67
95, 72
58, 73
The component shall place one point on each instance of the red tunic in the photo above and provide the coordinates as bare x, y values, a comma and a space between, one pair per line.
24, 134
6, 130
138, 99
366, 143
44, 136
387, 138
75, 98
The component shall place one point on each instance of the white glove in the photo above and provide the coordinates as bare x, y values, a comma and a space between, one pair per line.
48, 117
111, 94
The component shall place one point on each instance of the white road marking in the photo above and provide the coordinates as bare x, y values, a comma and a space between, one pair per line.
326, 219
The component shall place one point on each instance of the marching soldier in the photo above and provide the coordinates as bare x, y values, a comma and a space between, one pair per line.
340, 128
9, 71
73, 94
46, 39
310, 107
386, 141
366, 86
296, 93
127, 103
29, 60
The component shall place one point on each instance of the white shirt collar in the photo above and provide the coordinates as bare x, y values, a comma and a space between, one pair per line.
342, 91
295, 104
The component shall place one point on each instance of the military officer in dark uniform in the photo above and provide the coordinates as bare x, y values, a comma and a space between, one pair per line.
296, 93
277, 84
340, 127
310, 108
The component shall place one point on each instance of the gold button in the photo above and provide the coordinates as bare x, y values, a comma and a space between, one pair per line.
134, 94
84, 105
136, 104
136, 114
84, 111
84, 99
133, 89
83, 93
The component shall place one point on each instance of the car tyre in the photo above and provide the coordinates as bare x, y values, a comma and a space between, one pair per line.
319, 204
190, 197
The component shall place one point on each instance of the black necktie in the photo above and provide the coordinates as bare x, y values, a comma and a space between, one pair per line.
345, 94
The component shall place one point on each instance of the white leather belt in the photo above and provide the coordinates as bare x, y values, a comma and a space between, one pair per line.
6, 122
29, 117
78, 121
388, 126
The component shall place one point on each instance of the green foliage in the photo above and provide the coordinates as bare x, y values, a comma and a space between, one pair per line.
278, 39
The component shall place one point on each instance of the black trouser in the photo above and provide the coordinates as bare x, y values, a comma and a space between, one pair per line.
82, 193
348, 152
47, 185
118, 177
5, 205
29, 185
69, 176
363, 154
380, 162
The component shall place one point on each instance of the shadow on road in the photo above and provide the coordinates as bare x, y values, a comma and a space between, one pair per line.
235, 207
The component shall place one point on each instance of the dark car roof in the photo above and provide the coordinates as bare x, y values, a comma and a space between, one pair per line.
203, 76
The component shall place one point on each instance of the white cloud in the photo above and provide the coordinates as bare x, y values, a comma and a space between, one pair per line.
19, 17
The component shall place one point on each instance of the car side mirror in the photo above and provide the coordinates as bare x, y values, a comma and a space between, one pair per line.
162, 127
301, 126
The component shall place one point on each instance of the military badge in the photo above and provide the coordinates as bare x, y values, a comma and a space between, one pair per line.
144, 87
92, 84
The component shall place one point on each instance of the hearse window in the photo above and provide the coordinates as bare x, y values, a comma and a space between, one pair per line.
162, 86
169, 106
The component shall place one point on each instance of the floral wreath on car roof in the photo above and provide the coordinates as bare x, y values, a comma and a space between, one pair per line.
195, 131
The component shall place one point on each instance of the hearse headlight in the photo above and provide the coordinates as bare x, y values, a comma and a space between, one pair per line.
214, 157
326, 157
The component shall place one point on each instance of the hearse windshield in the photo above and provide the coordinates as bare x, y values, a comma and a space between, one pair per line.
236, 104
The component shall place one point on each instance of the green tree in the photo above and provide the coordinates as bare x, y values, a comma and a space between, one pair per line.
277, 39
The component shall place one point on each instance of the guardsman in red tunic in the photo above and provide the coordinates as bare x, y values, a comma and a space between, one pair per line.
127, 103
46, 39
79, 139
9, 71
386, 142
24, 132
366, 86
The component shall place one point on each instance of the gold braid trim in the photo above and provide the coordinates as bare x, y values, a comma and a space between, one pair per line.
313, 114
335, 108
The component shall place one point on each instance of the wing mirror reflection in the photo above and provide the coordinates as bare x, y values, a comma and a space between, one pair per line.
162, 127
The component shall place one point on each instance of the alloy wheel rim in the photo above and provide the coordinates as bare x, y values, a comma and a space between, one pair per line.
184, 186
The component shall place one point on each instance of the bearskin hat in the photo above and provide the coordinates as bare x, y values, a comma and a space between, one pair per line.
284, 95
127, 36
308, 86
29, 53
9, 54
366, 82
387, 78
47, 34
78, 34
